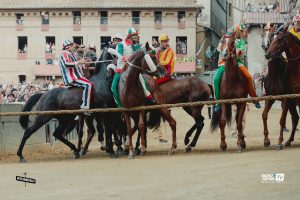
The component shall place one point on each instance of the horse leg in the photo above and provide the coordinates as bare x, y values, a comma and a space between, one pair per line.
40, 121
79, 128
63, 124
189, 134
222, 124
100, 130
295, 119
268, 105
199, 122
142, 132
129, 135
167, 116
108, 136
282, 123
239, 124
91, 132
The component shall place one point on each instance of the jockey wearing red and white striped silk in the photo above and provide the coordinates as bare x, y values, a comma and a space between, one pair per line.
71, 73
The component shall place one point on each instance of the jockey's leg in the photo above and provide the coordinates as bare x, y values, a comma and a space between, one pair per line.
217, 81
114, 89
147, 93
248, 76
251, 88
88, 88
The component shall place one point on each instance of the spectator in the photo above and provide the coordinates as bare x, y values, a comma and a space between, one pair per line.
47, 48
248, 8
53, 48
11, 98
25, 98
25, 48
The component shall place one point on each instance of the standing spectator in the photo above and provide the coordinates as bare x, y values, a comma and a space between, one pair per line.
25, 48
53, 48
50, 85
47, 48
2, 97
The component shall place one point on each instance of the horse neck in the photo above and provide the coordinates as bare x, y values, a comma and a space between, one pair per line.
101, 68
232, 69
276, 69
132, 77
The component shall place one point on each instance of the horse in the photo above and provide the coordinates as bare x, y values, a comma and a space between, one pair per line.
233, 85
113, 122
274, 84
132, 95
59, 99
288, 43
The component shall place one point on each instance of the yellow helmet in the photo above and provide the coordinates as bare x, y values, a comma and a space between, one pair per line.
163, 37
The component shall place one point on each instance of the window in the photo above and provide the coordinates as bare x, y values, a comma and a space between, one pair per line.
78, 40
155, 42
104, 41
135, 17
157, 17
181, 45
103, 17
76, 17
229, 9
22, 44
45, 17
181, 16
22, 78
50, 44
19, 18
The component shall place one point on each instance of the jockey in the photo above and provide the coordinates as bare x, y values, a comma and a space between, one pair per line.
92, 47
72, 76
241, 49
166, 56
116, 39
126, 48
295, 30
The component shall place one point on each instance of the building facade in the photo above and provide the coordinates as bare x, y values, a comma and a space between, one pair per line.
32, 33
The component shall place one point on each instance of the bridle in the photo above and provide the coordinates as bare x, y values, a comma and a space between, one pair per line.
281, 46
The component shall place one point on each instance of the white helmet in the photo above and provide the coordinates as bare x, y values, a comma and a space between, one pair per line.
117, 36
92, 46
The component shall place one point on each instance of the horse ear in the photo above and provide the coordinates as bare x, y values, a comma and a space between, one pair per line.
147, 46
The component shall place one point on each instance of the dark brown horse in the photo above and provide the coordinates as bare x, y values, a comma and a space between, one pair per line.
132, 95
233, 85
274, 83
288, 43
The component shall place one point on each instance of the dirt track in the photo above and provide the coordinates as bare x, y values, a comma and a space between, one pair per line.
205, 173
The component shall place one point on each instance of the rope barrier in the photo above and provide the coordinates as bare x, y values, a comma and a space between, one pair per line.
153, 107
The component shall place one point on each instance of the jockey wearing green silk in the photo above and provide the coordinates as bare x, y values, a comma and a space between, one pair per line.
241, 49
126, 48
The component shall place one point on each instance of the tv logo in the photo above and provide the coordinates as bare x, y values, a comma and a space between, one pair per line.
272, 178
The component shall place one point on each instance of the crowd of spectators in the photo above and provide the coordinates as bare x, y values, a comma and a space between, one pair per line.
18, 93
263, 7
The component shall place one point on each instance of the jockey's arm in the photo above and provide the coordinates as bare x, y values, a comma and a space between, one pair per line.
69, 62
169, 58
120, 48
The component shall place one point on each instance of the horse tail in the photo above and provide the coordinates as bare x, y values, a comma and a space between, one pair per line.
216, 118
154, 119
24, 119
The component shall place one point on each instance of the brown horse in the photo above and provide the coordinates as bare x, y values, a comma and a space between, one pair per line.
132, 95
233, 85
288, 43
274, 84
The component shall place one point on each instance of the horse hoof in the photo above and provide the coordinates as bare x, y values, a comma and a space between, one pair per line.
188, 149
113, 155
267, 144
102, 148
120, 152
186, 141
143, 153
22, 160
76, 155
130, 156
288, 144
279, 147
223, 147
243, 145
239, 149
137, 151
82, 153
171, 152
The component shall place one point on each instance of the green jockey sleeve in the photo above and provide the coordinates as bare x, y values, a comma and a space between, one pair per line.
120, 48
136, 47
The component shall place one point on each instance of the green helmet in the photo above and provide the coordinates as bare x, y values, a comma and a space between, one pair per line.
131, 31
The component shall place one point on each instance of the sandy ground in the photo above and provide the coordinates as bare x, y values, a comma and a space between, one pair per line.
204, 173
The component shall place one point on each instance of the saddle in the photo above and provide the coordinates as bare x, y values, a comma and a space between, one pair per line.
163, 80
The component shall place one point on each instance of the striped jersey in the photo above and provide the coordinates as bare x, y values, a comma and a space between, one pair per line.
69, 71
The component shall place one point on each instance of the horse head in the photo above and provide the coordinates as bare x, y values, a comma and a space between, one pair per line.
277, 46
231, 50
268, 35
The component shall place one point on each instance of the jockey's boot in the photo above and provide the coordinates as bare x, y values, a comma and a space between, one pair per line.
150, 100
217, 108
257, 105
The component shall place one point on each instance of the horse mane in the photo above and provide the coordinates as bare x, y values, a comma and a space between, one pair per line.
294, 38
136, 55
